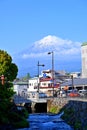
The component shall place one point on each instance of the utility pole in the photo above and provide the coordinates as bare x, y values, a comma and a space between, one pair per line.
52, 69
38, 77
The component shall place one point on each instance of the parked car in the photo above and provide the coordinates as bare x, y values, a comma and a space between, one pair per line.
62, 93
83, 93
74, 94
42, 95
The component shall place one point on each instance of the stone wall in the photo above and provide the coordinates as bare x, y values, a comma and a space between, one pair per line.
79, 114
56, 102
75, 111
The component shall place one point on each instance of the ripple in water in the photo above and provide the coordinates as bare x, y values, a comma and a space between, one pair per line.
46, 122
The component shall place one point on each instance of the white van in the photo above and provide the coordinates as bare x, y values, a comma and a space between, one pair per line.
83, 92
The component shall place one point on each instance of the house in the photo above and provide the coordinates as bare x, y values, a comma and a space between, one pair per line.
44, 84
20, 87
76, 74
32, 87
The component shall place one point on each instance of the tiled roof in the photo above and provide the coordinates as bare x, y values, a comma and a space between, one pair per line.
76, 81
20, 83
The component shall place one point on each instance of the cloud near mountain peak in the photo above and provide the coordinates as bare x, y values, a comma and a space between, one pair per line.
66, 54
53, 43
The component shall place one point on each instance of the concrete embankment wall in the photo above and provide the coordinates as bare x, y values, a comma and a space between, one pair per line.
57, 103
79, 114
75, 111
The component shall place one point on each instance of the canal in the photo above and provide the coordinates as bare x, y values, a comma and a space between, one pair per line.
44, 121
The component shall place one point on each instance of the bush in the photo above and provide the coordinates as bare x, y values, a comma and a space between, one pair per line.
18, 119
77, 125
55, 109
21, 124
9, 115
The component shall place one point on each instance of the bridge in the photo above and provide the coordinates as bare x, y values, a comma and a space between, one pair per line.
41, 104
19, 100
32, 104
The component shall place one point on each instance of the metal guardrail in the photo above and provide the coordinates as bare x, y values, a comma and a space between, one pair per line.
19, 100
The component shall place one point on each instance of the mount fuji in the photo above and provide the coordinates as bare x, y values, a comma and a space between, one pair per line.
67, 55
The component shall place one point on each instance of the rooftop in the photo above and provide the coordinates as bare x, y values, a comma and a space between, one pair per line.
76, 81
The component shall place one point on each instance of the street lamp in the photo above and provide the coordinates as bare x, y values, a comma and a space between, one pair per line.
52, 69
72, 82
38, 74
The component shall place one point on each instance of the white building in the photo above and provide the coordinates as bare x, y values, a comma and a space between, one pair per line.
84, 59
33, 84
75, 74
20, 87
32, 87
44, 83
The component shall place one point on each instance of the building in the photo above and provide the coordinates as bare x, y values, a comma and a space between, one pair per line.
76, 83
75, 74
20, 88
32, 87
84, 59
44, 84
33, 84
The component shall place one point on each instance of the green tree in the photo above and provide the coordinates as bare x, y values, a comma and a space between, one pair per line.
26, 77
7, 68
9, 115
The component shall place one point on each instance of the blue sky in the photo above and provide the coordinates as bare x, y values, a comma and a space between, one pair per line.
24, 22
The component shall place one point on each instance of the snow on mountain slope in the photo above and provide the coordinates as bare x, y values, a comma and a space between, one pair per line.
52, 43
66, 53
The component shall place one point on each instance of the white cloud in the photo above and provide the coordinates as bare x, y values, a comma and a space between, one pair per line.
33, 55
53, 43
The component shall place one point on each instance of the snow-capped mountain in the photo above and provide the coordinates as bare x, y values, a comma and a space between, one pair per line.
66, 53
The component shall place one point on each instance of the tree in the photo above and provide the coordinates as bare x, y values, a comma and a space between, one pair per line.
10, 117
7, 68
26, 77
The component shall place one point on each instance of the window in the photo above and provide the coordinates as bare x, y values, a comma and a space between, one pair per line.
48, 85
44, 84
35, 87
29, 84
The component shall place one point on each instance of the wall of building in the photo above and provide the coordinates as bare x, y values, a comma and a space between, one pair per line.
84, 60
21, 88
33, 84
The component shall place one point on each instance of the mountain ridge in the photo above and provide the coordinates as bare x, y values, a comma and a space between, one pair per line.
65, 51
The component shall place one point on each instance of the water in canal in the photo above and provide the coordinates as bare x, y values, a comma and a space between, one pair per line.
45, 121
